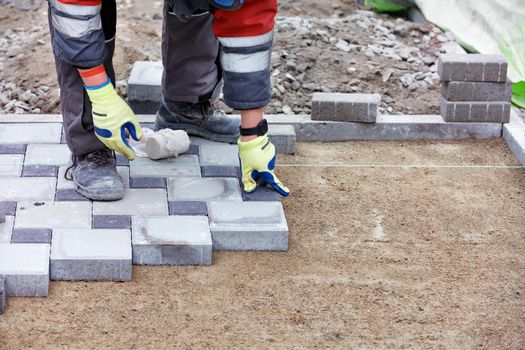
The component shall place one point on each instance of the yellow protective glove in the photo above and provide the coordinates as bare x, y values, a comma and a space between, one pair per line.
112, 117
257, 159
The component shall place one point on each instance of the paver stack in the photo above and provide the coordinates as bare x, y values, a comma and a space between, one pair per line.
475, 88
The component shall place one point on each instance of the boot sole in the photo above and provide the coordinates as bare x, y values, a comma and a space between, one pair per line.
102, 196
194, 130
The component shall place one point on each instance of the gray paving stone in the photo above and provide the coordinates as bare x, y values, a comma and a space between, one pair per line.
219, 154
388, 128
53, 215
472, 67
173, 240
484, 112
26, 269
183, 165
515, 138
194, 149
11, 164
248, 226
27, 188
144, 83
220, 171
262, 194
91, 255
283, 138
147, 182
122, 161
3, 298
8, 207
345, 107
112, 221
204, 189
12, 149
32, 235
69, 195
188, 208
6, 228
135, 202
144, 107
25, 133
39, 171
57, 155
476, 91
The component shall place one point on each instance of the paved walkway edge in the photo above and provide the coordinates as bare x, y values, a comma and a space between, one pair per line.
514, 135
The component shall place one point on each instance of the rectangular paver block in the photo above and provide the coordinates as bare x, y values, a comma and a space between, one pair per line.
173, 240
27, 188
183, 165
57, 155
147, 182
24, 133
283, 138
3, 298
40, 171
472, 67
11, 164
248, 226
6, 228
12, 148
53, 215
220, 171
69, 195
135, 202
188, 208
91, 255
204, 189
515, 138
8, 207
112, 221
476, 91
219, 154
144, 83
26, 269
262, 194
32, 235
345, 107
486, 112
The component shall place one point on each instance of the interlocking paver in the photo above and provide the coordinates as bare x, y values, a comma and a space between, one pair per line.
12, 148
53, 215
248, 226
135, 202
204, 189
112, 221
27, 188
147, 182
219, 154
32, 235
3, 298
173, 240
57, 155
220, 171
472, 67
476, 91
8, 207
283, 137
188, 208
19, 133
6, 228
262, 194
345, 107
69, 195
39, 171
11, 164
91, 255
26, 269
487, 112
194, 149
183, 165
144, 83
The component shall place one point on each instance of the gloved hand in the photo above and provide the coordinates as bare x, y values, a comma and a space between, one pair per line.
112, 117
257, 165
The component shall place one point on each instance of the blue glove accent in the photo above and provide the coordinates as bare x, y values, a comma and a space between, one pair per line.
132, 131
105, 133
227, 4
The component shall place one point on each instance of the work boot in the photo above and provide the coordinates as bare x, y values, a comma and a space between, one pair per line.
95, 176
198, 119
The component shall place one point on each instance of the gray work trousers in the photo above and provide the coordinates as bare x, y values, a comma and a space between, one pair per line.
191, 73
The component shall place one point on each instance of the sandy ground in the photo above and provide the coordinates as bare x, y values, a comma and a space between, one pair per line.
379, 258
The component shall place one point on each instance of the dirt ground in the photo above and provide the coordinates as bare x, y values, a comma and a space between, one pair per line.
379, 258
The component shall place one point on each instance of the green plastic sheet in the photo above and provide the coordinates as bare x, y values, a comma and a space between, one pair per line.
386, 6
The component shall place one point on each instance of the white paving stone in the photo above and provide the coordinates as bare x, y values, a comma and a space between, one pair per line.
11, 164
30, 133
184, 165
47, 155
91, 255
222, 154
62, 183
204, 189
248, 226
26, 268
6, 228
27, 188
172, 240
53, 215
135, 202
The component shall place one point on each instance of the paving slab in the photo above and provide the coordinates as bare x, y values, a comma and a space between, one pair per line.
144, 83
515, 138
11, 164
53, 215
220, 171
112, 221
3, 298
173, 240
476, 91
12, 149
135, 202
219, 154
204, 189
8, 207
26, 269
183, 165
283, 137
148, 182
345, 107
69, 195
485, 112
188, 208
18, 133
387, 128
32, 235
248, 226
262, 194
472, 67
39, 171
27, 188
91, 255
6, 229
57, 155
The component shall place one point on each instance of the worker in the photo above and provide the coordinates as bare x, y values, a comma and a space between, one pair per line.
197, 34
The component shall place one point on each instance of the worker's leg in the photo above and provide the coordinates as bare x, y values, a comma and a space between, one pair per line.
74, 102
192, 78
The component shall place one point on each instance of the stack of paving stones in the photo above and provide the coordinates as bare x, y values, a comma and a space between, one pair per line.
343, 107
175, 212
475, 88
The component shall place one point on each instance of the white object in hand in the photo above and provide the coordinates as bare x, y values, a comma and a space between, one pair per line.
167, 143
